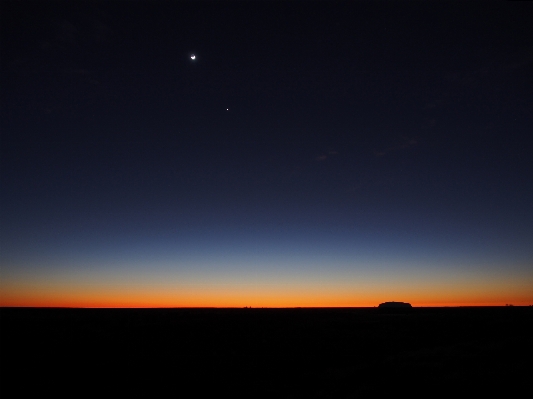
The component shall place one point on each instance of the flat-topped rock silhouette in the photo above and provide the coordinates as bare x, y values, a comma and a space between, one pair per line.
395, 305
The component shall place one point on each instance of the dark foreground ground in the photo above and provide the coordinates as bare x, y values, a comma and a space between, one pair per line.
357, 352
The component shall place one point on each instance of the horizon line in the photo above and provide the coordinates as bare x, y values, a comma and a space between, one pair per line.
252, 307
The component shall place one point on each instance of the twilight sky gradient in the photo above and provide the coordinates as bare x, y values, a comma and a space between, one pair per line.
313, 154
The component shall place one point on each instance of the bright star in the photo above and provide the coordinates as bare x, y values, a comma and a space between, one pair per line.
193, 57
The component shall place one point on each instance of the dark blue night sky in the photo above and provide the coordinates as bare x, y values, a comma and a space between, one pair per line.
312, 154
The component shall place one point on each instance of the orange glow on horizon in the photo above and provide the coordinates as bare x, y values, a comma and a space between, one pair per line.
167, 292
115, 300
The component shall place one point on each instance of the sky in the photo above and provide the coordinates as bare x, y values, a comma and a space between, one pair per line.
321, 154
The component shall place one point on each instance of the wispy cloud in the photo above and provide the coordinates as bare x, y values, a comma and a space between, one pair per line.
406, 143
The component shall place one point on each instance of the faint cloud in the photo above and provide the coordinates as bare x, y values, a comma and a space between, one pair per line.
323, 157
77, 71
101, 32
406, 143
66, 32
519, 59
86, 74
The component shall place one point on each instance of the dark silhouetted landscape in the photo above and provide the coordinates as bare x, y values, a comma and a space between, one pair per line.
321, 352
